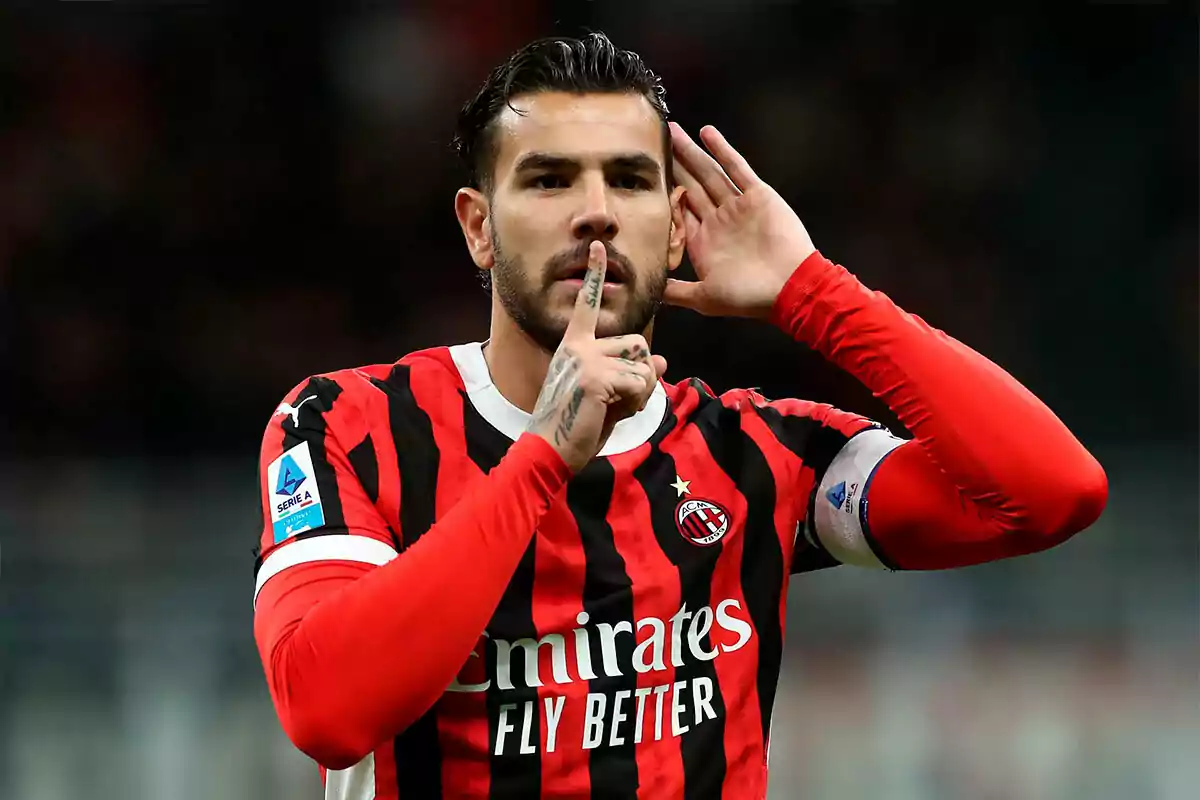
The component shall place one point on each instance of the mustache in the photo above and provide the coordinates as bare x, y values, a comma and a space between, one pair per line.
578, 255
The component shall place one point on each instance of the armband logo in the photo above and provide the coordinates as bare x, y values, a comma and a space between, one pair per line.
841, 496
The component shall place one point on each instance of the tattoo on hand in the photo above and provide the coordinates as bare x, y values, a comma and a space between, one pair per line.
564, 368
594, 290
567, 422
634, 353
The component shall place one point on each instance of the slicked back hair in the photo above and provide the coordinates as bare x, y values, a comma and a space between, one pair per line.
589, 65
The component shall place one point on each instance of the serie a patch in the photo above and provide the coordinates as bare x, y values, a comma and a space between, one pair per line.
295, 497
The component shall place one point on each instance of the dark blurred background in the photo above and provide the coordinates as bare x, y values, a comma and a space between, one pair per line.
200, 205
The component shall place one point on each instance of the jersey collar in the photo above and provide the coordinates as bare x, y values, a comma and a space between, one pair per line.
628, 434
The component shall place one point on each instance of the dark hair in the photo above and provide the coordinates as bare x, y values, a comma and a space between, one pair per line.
581, 66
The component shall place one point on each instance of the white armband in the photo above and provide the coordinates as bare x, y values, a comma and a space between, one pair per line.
329, 547
840, 508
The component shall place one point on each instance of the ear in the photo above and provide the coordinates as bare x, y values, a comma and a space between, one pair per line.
472, 209
678, 241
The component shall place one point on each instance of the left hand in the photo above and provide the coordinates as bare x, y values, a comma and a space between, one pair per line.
743, 239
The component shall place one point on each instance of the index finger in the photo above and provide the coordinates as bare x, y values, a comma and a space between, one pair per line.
587, 302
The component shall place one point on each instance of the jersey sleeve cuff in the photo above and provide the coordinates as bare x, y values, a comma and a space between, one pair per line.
791, 307
548, 473
842, 497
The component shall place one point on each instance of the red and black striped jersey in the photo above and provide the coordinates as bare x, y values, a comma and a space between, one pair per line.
443, 610
637, 648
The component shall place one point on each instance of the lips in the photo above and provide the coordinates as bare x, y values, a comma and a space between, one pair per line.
613, 273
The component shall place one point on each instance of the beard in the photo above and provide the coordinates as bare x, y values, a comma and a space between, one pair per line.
526, 297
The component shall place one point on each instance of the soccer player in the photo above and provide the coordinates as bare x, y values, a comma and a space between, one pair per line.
530, 567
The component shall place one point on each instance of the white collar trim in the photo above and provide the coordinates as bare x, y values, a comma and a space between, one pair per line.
628, 434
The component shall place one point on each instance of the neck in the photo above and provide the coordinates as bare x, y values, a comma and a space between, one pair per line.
515, 362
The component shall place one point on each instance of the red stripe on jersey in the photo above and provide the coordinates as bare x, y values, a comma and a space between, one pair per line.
843, 423
346, 424
462, 717
558, 581
790, 506
737, 671
790, 500
375, 417
659, 761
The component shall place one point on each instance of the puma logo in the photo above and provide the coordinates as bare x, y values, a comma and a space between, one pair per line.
293, 411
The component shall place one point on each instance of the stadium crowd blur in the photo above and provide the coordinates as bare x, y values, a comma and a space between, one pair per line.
200, 207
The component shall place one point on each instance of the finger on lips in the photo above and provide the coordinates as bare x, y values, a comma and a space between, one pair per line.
587, 303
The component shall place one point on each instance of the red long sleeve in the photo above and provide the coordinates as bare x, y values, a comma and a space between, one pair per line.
354, 654
992, 473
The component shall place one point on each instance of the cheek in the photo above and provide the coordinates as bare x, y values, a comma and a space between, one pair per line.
527, 229
652, 226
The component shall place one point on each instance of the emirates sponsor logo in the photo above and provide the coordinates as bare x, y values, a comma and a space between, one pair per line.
669, 708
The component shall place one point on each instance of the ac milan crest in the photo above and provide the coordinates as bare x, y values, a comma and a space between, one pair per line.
701, 522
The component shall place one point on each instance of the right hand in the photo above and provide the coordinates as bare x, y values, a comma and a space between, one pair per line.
592, 383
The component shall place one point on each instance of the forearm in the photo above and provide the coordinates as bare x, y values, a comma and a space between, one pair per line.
352, 659
1000, 447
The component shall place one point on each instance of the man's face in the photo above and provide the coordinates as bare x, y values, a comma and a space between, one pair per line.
570, 170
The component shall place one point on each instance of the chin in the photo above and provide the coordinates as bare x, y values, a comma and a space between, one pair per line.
546, 323
612, 324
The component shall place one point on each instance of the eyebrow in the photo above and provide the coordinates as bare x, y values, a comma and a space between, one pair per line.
633, 162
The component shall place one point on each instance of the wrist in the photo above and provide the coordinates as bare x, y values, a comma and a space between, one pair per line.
548, 468
799, 287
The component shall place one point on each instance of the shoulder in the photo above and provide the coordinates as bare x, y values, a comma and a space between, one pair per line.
353, 391
694, 394
811, 430
434, 365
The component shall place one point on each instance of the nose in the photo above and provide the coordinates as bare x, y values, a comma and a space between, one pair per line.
595, 219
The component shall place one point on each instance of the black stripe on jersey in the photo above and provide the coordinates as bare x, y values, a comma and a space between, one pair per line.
702, 746
417, 457
313, 429
417, 750
762, 555
265, 513
366, 467
607, 598
816, 446
809, 554
486, 446
513, 774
